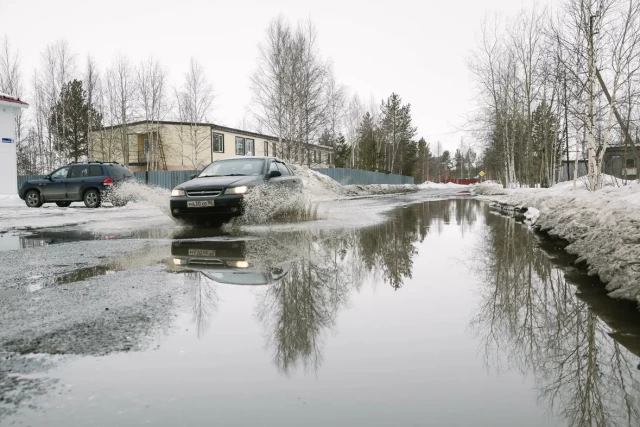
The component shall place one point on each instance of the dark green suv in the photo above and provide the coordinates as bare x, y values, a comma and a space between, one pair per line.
90, 183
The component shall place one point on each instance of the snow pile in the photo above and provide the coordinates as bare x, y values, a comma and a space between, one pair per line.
322, 187
427, 185
10, 201
602, 228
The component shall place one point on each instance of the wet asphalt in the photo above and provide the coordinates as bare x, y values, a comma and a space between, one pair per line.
436, 312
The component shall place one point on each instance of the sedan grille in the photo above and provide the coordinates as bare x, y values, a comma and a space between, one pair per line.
204, 193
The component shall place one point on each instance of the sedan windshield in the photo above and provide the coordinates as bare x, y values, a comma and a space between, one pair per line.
235, 167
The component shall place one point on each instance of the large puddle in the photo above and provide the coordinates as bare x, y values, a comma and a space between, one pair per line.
446, 314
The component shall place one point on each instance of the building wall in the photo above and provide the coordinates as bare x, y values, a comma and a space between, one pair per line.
8, 159
188, 147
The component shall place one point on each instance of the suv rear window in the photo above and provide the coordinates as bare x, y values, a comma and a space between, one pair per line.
119, 172
96, 170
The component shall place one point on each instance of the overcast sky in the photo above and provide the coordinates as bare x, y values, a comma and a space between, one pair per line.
414, 48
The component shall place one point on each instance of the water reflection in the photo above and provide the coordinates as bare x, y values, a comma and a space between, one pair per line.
532, 319
310, 275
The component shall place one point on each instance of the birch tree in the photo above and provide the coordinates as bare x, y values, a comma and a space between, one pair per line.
152, 106
194, 102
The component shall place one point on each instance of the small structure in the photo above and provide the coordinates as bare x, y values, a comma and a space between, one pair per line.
621, 162
10, 108
565, 172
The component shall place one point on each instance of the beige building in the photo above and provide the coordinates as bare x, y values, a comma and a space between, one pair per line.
168, 145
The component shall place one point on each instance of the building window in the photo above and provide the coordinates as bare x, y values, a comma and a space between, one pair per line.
630, 163
239, 146
315, 156
275, 151
249, 148
266, 148
217, 143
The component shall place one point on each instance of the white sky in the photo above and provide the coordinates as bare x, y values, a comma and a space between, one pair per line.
414, 48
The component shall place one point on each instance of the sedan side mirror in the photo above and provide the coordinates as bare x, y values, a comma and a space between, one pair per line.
274, 174
49, 177
194, 176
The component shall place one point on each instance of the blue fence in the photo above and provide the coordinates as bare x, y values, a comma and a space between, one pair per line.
24, 178
164, 179
360, 177
170, 179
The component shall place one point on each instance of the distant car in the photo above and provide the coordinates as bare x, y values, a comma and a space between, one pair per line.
216, 194
91, 183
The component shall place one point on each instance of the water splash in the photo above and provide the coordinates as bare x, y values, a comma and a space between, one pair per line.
275, 204
134, 191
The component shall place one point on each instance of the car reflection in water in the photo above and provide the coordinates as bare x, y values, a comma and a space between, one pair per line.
224, 262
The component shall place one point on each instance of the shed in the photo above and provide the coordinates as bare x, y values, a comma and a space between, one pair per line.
10, 108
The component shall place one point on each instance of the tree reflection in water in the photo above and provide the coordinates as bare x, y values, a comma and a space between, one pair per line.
532, 319
204, 300
318, 270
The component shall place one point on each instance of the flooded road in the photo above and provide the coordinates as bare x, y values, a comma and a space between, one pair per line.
445, 314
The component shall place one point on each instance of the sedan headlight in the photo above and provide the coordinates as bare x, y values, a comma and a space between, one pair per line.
238, 264
176, 192
236, 190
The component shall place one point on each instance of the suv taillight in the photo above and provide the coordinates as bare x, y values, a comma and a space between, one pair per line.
108, 181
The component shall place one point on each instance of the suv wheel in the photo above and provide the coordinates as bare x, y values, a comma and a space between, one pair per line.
33, 199
63, 204
92, 199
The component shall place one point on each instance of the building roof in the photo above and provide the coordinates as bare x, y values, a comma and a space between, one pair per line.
12, 99
215, 127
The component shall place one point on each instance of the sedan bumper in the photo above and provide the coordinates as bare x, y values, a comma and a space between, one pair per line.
224, 206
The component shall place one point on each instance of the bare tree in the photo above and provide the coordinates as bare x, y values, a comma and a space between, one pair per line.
290, 98
194, 102
152, 106
122, 90
91, 81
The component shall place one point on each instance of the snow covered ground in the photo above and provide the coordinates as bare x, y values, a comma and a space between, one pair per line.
152, 206
602, 228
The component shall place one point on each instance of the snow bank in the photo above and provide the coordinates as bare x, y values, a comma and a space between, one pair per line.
322, 187
440, 186
602, 228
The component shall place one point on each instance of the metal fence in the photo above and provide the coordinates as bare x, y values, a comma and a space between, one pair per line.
170, 179
24, 178
360, 177
164, 179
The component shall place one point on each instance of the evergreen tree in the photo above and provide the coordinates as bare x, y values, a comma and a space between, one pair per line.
70, 119
398, 132
446, 164
421, 173
367, 148
343, 152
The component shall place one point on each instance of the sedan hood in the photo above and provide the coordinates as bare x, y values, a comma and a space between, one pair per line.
220, 181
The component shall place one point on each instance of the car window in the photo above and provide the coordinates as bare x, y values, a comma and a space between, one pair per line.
283, 169
79, 171
96, 170
115, 172
61, 173
235, 167
273, 167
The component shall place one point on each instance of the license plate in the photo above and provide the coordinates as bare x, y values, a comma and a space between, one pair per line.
201, 204
202, 252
